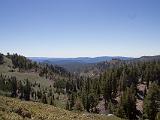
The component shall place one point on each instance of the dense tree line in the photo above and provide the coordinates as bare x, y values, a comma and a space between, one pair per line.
21, 62
15, 88
1, 58
43, 69
25, 90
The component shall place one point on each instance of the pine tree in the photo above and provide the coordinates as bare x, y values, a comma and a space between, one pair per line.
84, 98
110, 107
39, 94
114, 83
92, 102
44, 98
147, 77
152, 102
67, 105
21, 90
1, 58
27, 90
13, 87
127, 107
51, 101
123, 81
107, 94
98, 89
71, 101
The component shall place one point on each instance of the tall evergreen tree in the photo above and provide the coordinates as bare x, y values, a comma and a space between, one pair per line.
44, 98
1, 58
152, 102
21, 90
127, 108
27, 90
13, 87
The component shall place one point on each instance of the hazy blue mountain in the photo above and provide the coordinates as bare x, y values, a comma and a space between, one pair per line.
38, 59
76, 64
77, 60
80, 64
149, 58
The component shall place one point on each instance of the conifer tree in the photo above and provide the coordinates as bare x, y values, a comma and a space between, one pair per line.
13, 87
27, 90
1, 58
152, 102
67, 105
44, 98
51, 101
21, 90
127, 107
107, 91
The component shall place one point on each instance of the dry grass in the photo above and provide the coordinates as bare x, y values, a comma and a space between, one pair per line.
14, 109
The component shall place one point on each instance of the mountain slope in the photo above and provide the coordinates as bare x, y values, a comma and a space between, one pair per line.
149, 58
8, 68
76, 64
41, 78
14, 109
78, 59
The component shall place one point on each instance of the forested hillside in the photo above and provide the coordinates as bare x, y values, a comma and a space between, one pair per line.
127, 89
27, 80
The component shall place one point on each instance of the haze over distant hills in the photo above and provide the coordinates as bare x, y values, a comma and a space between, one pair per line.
75, 64
78, 59
81, 63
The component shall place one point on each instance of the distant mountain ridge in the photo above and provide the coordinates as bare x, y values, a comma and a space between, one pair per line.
81, 63
148, 58
78, 59
77, 64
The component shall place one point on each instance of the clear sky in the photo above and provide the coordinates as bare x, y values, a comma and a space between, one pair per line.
74, 28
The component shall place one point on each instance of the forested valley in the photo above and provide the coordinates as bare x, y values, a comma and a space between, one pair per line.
128, 89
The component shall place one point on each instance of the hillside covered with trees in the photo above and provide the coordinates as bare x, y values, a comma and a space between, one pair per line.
129, 89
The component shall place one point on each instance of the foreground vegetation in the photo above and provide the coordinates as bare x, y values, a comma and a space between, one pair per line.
14, 109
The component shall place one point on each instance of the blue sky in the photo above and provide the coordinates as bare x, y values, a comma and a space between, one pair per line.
73, 28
